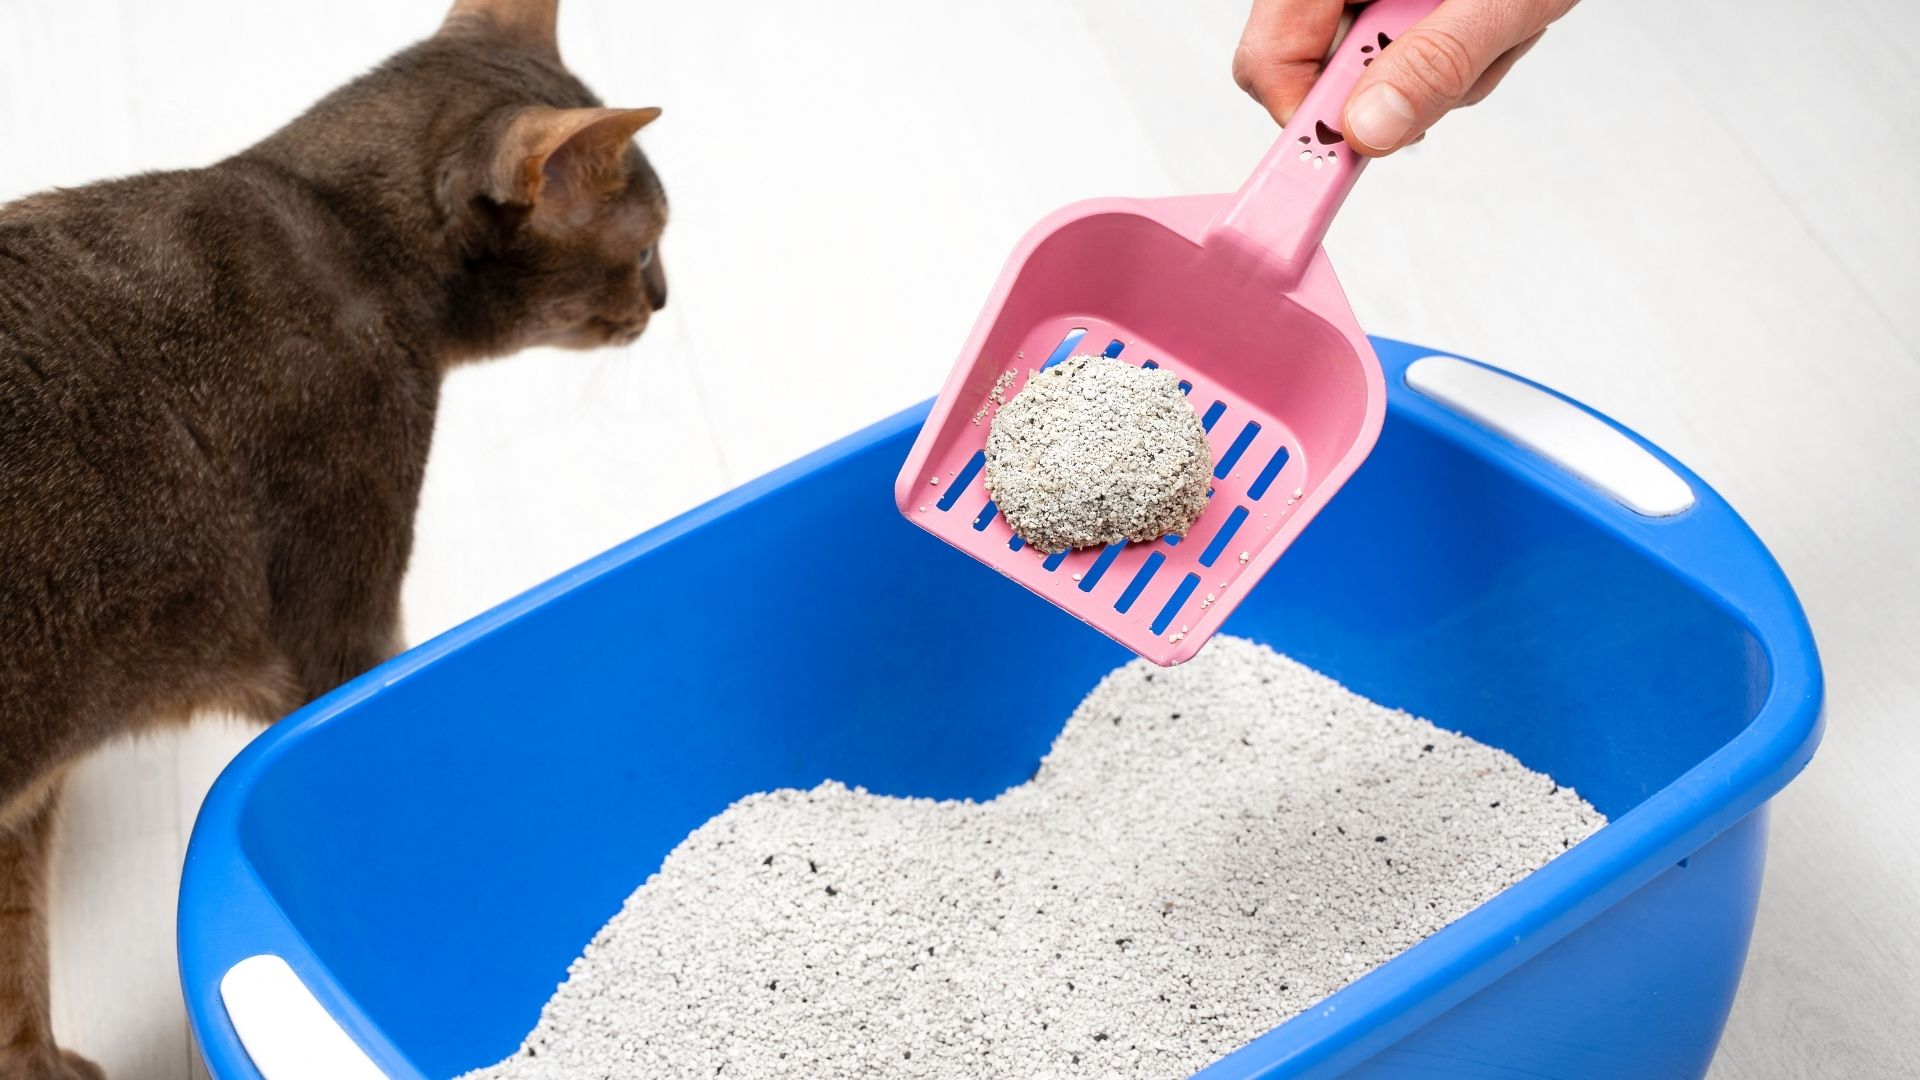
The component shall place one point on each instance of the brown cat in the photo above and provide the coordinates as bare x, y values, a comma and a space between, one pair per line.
217, 389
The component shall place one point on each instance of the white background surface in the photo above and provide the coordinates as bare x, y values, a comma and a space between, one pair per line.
1699, 218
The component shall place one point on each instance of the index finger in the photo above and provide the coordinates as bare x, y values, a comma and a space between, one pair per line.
1281, 51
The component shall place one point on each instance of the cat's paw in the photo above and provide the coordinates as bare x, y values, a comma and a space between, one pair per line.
48, 1063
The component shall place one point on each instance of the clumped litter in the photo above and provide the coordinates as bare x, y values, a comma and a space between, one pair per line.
1093, 451
1205, 852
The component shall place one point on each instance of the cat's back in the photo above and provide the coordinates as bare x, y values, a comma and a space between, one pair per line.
115, 493
95, 281
164, 321
90, 287
138, 261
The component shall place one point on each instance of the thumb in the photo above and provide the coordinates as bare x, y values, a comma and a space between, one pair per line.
1430, 69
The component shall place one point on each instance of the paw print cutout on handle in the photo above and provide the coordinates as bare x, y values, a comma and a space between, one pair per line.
1327, 137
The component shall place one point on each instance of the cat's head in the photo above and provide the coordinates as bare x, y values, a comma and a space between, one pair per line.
561, 212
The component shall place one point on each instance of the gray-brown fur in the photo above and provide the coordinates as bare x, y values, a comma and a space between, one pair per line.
217, 392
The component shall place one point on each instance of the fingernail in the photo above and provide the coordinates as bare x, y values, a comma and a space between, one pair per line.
1379, 118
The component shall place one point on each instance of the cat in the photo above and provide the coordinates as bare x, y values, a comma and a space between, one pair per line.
217, 390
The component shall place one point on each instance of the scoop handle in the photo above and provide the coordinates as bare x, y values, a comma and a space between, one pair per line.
1281, 213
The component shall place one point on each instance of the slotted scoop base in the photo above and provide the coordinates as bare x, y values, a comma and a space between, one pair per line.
1156, 590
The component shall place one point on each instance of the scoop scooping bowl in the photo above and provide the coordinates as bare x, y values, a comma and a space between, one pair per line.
1234, 295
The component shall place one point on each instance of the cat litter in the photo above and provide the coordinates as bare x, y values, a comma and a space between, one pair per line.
997, 396
1205, 852
1093, 451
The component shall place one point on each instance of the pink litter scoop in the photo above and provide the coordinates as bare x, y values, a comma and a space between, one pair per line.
1234, 295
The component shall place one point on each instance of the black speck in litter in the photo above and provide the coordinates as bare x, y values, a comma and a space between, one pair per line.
1173, 716
1101, 1037
831, 891
1379, 839
1123, 942
768, 861
773, 984
1495, 804
1116, 721
907, 1054
813, 866
1427, 749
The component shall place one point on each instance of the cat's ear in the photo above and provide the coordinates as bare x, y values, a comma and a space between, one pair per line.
564, 160
530, 24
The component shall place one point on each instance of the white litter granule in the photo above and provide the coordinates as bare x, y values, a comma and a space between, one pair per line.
997, 396
1094, 450
1205, 852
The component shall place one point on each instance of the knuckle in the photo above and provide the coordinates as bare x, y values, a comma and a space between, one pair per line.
1438, 63
1267, 74
1243, 69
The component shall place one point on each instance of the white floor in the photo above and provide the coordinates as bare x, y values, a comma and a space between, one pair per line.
1696, 217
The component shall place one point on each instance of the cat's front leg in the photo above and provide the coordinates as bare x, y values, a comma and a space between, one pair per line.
27, 1050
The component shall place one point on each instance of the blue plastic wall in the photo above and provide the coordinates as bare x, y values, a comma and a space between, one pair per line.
1640, 993
442, 840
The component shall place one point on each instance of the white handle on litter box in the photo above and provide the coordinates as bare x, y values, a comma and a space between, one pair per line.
284, 1028
1557, 430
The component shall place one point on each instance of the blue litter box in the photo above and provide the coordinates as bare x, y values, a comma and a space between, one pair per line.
394, 879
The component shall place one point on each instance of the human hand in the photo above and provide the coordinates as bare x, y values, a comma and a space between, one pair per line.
1453, 57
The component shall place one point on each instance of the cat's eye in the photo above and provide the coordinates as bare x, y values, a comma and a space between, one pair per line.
646, 258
